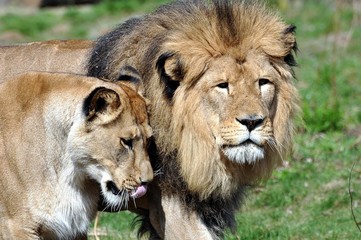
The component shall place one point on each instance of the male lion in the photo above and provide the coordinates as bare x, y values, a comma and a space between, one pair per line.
220, 81
63, 139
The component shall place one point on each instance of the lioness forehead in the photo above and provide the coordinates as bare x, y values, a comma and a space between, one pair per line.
137, 103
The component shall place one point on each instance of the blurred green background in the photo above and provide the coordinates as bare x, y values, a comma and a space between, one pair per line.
310, 196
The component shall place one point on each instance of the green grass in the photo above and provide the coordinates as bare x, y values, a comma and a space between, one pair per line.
309, 197
73, 22
115, 226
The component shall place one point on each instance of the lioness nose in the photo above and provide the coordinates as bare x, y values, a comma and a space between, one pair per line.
146, 175
251, 122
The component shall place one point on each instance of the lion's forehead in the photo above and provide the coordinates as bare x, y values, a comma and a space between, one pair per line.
231, 68
256, 64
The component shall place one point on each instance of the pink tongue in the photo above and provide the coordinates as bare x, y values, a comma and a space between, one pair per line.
139, 192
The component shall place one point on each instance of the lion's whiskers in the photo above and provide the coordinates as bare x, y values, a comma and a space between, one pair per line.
158, 172
276, 146
134, 202
124, 198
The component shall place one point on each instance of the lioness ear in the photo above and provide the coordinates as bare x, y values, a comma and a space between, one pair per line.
130, 76
290, 44
102, 105
170, 70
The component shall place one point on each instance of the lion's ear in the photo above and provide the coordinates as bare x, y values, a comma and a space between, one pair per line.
102, 106
130, 76
290, 44
170, 71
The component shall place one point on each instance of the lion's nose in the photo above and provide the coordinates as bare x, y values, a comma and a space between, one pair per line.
142, 182
251, 122
146, 175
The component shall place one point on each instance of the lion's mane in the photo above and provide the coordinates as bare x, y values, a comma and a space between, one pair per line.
172, 47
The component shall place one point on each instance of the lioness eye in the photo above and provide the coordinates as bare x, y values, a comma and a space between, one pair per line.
263, 81
223, 85
128, 143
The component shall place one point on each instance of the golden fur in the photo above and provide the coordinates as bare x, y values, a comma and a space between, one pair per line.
63, 140
68, 56
208, 68
187, 52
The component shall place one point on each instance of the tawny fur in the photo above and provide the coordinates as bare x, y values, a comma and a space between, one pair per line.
68, 56
186, 52
63, 140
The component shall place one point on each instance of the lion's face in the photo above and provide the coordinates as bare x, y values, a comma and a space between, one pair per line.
109, 144
237, 103
231, 115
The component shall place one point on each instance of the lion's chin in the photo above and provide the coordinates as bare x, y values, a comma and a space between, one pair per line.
116, 198
245, 153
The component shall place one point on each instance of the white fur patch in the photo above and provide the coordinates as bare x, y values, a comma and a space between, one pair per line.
112, 201
116, 201
248, 153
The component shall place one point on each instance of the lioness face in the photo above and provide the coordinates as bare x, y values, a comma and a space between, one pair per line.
109, 144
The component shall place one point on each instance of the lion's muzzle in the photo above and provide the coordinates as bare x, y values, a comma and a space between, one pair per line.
139, 191
136, 192
113, 188
251, 122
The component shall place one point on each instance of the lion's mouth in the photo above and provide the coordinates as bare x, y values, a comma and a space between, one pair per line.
248, 142
137, 192
140, 191
245, 143
113, 188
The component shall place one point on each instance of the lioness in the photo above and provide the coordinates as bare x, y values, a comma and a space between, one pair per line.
63, 139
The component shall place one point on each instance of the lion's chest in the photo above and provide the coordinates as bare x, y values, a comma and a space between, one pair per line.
70, 214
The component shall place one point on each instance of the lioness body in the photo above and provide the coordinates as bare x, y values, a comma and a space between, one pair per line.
63, 139
53, 56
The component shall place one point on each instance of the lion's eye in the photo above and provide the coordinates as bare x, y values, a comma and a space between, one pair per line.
263, 81
223, 85
128, 143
